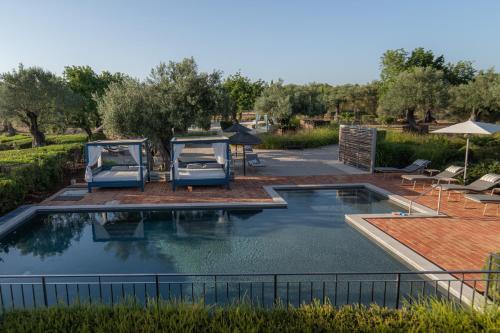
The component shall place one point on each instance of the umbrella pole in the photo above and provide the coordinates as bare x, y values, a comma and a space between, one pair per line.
244, 162
466, 158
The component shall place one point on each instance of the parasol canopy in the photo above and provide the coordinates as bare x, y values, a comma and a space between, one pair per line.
237, 128
469, 128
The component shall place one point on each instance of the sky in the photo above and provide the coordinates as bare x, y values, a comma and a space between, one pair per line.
298, 41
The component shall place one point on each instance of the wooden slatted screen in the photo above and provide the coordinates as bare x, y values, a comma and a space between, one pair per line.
357, 146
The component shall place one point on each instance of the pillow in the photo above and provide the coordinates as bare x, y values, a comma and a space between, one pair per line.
194, 166
120, 168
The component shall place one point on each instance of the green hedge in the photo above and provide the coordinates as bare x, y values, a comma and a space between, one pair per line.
23, 141
33, 170
433, 316
400, 149
301, 139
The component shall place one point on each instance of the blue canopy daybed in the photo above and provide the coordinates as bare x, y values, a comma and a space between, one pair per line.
131, 171
200, 172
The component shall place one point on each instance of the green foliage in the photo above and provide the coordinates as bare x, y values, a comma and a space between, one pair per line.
493, 264
478, 170
393, 62
89, 85
34, 170
478, 99
301, 139
243, 92
22, 141
386, 120
276, 102
400, 149
37, 98
431, 316
417, 91
174, 97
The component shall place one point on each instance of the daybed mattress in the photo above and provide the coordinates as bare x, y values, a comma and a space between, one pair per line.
215, 173
118, 175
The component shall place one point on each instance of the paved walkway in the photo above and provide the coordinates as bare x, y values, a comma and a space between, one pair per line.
460, 241
316, 161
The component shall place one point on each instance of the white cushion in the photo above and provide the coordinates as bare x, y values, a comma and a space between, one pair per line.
491, 177
112, 175
453, 169
184, 173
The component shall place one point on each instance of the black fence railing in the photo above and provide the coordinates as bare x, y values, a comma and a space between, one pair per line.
383, 288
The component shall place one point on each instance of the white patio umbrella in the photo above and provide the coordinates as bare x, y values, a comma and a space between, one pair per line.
469, 128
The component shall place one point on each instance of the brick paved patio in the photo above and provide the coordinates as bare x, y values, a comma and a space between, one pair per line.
460, 241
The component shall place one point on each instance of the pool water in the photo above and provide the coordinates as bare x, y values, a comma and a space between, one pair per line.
310, 235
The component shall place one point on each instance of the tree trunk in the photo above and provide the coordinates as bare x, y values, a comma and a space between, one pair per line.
428, 118
475, 115
336, 117
89, 133
410, 120
11, 131
37, 135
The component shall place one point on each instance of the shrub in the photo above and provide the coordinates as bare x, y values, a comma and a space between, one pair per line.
22, 141
33, 170
432, 316
386, 120
301, 139
400, 149
494, 286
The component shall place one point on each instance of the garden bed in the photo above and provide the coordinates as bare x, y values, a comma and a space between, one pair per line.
423, 317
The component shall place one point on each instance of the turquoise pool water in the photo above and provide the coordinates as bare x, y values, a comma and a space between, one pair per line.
308, 236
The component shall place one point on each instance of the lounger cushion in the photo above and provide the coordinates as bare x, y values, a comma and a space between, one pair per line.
213, 173
116, 176
454, 169
483, 198
491, 177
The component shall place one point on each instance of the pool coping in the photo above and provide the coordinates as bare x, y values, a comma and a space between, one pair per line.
358, 221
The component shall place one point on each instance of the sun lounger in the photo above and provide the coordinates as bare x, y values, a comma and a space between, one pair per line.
484, 199
448, 175
417, 166
485, 183
254, 161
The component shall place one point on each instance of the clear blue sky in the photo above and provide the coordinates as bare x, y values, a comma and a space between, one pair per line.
299, 41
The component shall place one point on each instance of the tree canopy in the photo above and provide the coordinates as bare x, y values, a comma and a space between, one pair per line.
479, 99
421, 90
89, 85
174, 97
242, 92
36, 98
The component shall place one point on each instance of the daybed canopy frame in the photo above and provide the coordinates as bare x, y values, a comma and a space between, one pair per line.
200, 176
93, 156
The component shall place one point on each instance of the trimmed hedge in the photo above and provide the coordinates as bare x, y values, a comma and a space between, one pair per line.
400, 149
33, 170
432, 316
23, 141
313, 138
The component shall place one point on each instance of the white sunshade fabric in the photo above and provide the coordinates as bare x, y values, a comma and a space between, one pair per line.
135, 152
220, 152
177, 150
470, 127
94, 156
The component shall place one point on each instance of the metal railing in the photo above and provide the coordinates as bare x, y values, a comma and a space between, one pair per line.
432, 188
388, 289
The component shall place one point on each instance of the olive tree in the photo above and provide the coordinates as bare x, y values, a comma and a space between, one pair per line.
36, 98
276, 102
416, 92
174, 97
87, 84
478, 99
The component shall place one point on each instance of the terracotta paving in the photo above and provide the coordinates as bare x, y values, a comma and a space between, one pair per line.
460, 241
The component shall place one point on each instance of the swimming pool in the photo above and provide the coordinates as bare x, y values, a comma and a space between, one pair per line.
308, 236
